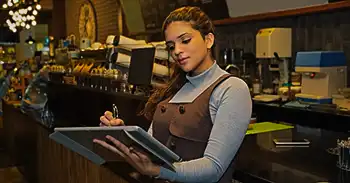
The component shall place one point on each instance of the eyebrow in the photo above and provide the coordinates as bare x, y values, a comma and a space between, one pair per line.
177, 38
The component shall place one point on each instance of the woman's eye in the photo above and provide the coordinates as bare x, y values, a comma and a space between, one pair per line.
186, 41
170, 48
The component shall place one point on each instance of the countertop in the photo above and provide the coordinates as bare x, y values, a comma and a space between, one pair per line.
332, 120
259, 160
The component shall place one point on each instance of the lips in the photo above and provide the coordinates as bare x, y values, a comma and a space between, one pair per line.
182, 61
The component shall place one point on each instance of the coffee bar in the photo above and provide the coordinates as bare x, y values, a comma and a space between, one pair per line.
68, 62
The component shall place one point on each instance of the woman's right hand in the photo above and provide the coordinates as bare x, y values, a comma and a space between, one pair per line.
108, 120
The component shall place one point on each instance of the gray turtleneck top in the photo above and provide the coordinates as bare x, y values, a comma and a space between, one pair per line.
230, 108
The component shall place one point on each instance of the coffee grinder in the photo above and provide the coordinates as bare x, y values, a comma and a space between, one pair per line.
273, 53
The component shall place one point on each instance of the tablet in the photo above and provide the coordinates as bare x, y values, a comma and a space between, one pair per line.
290, 141
80, 140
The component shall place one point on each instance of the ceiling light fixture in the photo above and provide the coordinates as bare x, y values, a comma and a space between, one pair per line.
21, 13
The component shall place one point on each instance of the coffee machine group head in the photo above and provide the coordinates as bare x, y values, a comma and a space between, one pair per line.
273, 52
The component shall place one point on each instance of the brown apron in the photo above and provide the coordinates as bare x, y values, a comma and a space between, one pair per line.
185, 127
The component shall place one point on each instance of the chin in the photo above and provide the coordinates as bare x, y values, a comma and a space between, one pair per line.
186, 68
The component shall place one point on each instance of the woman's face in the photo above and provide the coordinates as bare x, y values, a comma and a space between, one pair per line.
186, 45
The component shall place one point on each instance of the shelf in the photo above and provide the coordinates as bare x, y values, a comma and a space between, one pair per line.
285, 13
84, 88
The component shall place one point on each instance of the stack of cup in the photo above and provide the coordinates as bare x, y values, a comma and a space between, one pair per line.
344, 154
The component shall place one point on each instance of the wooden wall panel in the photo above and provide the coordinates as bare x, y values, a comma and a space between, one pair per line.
42, 160
106, 14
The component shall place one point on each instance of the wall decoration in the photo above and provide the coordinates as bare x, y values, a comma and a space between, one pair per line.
87, 21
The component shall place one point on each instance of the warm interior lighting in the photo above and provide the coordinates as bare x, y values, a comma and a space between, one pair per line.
22, 13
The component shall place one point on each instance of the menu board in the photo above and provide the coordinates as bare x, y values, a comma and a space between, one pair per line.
155, 11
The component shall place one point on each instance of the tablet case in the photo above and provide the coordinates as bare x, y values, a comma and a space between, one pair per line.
80, 140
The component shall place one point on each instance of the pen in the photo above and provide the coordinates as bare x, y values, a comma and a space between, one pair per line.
115, 112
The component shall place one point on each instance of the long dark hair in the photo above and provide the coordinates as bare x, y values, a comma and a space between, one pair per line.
199, 21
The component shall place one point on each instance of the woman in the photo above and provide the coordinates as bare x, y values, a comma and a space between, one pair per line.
202, 115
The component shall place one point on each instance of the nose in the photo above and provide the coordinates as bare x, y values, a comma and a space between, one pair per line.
177, 50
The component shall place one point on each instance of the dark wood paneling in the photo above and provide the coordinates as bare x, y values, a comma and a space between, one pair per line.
58, 19
327, 31
42, 160
57, 164
20, 141
292, 12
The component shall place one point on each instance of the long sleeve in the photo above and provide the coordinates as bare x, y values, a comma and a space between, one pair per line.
230, 109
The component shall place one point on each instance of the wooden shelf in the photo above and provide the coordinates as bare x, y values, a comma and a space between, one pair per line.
285, 13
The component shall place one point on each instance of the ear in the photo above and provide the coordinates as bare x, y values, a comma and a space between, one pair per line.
209, 40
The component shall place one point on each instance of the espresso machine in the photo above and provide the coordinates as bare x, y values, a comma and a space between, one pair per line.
273, 53
323, 74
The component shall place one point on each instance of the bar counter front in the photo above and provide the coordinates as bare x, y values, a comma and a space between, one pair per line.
42, 160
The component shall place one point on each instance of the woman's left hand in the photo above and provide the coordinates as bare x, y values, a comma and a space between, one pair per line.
139, 160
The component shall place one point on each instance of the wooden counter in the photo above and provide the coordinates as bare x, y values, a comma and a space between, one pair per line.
42, 160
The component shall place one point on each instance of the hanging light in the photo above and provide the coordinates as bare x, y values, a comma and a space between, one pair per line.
38, 7
22, 13
30, 40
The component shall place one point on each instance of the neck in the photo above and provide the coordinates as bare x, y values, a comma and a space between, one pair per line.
203, 66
